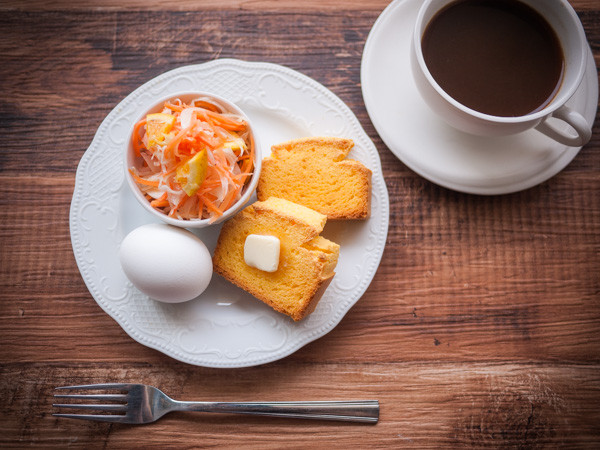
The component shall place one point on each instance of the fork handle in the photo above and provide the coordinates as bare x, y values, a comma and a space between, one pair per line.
366, 411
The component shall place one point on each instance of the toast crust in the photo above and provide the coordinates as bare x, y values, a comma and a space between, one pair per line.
314, 172
307, 260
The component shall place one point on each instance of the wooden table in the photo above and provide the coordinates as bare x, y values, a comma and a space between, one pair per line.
481, 327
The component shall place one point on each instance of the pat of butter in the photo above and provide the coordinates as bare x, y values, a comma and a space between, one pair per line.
262, 252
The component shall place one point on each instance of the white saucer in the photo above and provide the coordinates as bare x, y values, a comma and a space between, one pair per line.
430, 147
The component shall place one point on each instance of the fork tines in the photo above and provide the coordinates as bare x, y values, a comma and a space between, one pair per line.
122, 386
120, 406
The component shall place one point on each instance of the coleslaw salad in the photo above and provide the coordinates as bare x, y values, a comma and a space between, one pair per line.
192, 160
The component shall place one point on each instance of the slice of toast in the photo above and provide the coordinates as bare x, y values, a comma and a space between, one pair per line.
314, 172
306, 263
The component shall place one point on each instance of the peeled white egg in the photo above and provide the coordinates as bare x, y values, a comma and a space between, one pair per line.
167, 263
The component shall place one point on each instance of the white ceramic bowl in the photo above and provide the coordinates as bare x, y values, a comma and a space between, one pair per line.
130, 161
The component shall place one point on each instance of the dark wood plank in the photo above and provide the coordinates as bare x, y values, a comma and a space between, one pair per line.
481, 327
192, 5
508, 294
499, 405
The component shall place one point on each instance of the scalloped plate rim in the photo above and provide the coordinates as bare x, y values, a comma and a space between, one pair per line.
303, 339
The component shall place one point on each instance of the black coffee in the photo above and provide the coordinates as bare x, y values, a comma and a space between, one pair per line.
498, 57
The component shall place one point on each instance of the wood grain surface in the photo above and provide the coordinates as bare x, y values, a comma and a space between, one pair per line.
481, 327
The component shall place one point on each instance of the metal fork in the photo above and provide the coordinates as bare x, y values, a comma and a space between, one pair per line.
139, 403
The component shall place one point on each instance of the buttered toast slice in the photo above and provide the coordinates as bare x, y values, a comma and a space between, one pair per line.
306, 261
314, 172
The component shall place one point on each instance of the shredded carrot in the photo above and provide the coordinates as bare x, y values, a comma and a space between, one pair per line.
135, 137
173, 107
171, 170
225, 122
248, 164
176, 140
206, 105
207, 190
200, 204
142, 180
179, 205
207, 187
229, 198
161, 201
210, 205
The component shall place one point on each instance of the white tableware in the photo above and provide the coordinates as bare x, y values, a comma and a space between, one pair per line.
223, 327
434, 149
563, 19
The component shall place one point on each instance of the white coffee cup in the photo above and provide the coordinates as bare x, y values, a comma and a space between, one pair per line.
563, 19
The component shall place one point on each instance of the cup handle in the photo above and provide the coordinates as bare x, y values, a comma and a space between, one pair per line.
575, 120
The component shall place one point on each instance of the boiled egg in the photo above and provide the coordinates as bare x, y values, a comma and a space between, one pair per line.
166, 263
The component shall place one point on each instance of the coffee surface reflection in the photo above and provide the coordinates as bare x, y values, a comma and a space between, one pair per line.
498, 57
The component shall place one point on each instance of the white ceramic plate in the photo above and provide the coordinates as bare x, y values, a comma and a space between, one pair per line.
224, 327
430, 147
